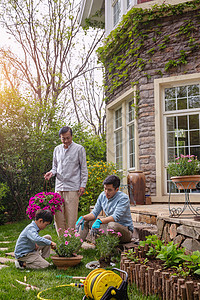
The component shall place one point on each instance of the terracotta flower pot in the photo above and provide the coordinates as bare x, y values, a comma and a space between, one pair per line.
66, 262
186, 182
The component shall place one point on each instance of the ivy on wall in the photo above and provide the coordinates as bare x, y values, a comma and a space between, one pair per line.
125, 46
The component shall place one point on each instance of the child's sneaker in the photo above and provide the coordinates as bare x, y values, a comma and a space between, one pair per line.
19, 264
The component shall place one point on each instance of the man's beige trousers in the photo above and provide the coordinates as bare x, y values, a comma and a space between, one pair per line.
68, 217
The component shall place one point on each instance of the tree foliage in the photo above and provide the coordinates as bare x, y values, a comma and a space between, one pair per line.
26, 151
47, 35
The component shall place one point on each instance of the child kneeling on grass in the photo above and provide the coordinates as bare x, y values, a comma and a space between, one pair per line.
30, 244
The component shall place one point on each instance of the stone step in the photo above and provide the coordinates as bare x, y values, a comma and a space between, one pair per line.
10, 254
5, 242
3, 266
141, 230
4, 260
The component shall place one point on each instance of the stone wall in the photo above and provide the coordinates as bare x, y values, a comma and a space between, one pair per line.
185, 233
157, 31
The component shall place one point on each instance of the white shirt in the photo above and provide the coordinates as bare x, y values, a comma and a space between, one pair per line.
70, 167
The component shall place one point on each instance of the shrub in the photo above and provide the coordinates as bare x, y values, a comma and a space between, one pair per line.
97, 172
3, 193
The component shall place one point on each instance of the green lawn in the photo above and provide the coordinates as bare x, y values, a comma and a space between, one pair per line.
44, 279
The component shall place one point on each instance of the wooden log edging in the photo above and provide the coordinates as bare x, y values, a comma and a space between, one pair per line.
152, 281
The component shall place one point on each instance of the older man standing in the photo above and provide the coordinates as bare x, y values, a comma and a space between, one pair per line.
70, 168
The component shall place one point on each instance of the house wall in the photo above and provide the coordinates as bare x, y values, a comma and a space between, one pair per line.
109, 22
150, 82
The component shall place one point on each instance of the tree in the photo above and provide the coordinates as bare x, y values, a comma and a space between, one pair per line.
25, 153
87, 96
47, 34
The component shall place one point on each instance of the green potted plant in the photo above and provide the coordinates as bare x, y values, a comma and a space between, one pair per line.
185, 171
67, 247
106, 244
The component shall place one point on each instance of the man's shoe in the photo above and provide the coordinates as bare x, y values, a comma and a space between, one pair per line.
19, 264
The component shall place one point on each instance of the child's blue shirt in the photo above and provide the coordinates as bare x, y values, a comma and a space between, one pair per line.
27, 240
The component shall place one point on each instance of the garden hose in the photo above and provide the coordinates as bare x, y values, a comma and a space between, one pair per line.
79, 285
100, 284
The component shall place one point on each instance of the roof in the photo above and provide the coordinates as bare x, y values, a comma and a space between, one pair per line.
90, 10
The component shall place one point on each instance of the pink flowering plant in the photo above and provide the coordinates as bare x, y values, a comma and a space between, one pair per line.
106, 243
184, 165
68, 243
45, 200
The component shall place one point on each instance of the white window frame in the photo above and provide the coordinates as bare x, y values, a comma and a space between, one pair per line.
175, 113
116, 131
128, 4
111, 107
114, 2
128, 125
159, 86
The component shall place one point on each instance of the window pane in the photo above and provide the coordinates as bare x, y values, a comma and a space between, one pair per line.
130, 111
182, 103
181, 91
171, 154
194, 102
193, 90
183, 150
194, 121
182, 122
116, 12
131, 146
171, 141
128, 3
171, 123
132, 161
170, 105
119, 137
195, 137
182, 97
118, 118
118, 149
131, 132
170, 93
195, 151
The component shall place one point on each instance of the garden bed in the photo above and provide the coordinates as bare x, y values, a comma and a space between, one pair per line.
152, 278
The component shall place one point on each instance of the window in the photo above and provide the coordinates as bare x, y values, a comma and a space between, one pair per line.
131, 135
182, 121
118, 138
128, 3
116, 11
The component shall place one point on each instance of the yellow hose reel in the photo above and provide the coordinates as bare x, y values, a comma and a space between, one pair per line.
103, 284
100, 284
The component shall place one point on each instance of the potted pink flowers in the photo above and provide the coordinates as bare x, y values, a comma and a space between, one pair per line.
44, 200
67, 247
185, 171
